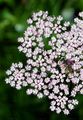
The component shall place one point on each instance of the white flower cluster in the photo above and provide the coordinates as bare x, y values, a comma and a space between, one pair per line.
54, 66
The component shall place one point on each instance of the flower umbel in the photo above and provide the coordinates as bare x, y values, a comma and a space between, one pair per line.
54, 66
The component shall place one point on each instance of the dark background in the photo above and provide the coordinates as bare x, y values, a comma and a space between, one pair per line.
16, 105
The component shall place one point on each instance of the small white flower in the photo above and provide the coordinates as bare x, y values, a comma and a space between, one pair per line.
8, 72
52, 108
67, 24
81, 91
30, 21
71, 106
66, 112
46, 92
58, 110
81, 14
39, 95
29, 91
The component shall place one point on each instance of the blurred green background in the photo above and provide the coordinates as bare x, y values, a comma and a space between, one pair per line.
16, 105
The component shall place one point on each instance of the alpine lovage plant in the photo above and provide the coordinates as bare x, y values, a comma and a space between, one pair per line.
54, 66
